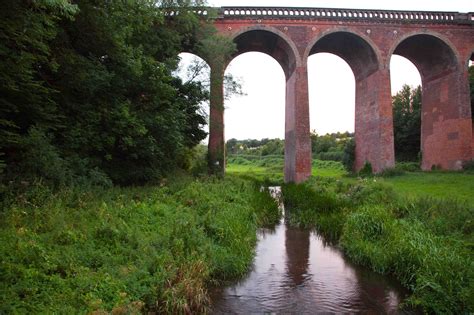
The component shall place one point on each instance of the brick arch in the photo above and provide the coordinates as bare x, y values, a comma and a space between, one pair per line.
420, 56
446, 113
270, 41
371, 55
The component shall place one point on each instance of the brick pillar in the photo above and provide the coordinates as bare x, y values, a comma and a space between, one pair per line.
446, 126
374, 122
297, 133
216, 148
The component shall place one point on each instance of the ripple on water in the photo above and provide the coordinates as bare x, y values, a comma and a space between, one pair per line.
295, 271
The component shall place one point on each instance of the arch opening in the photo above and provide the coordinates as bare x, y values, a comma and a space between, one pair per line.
373, 131
353, 49
332, 105
446, 126
260, 113
432, 56
269, 43
406, 105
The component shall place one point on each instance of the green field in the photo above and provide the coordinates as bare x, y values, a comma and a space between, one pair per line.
436, 184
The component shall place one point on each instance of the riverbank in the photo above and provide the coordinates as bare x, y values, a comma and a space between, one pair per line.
128, 249
425, 243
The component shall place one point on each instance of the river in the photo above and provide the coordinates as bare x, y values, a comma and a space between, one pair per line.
297, 271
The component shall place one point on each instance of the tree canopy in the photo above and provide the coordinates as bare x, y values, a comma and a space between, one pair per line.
87, 91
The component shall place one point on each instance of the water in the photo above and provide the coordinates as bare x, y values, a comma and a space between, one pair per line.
296, 271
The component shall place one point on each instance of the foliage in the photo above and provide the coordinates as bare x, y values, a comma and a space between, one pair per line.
348, 158
128, 250
407, 123
330, 146
255, 147
366, 170
95, 79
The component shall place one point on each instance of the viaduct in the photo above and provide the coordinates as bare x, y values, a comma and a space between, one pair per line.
439, 44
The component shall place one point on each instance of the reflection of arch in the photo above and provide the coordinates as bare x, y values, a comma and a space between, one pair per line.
269, 41
431, 53
357, 50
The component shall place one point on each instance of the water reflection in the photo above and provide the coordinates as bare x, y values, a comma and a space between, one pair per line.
297, 255
296, 271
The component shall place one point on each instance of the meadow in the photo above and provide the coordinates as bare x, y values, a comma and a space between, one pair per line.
409, 184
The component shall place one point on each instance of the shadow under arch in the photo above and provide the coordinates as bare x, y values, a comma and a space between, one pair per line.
373, 116
360, 53
429, 52
446, 128
269, 41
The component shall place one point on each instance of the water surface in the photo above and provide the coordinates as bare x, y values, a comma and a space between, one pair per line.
296, 271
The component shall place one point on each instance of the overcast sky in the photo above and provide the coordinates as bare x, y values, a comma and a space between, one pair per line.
260, 114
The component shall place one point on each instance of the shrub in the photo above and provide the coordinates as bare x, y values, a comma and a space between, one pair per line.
407, 166
366, 170
349, 155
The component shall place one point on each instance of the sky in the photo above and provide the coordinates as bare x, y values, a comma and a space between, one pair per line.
260, 113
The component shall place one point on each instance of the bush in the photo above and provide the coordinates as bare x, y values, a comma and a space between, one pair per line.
349, 155
366, 170
407, 166
469, 166
331, 156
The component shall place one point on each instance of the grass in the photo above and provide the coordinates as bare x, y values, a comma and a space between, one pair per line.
128, 250
441, 185
426, 243
410, 184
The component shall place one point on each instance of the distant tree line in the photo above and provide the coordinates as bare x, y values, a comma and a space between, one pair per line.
87, 92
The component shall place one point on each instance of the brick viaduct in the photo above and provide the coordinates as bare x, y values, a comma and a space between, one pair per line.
439, 44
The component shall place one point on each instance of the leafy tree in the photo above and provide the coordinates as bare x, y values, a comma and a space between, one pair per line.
92, 82
26, 98
407, 123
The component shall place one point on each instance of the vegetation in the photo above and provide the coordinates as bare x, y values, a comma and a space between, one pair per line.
330, 146
426, 243
407, 123
87, 92
128, 250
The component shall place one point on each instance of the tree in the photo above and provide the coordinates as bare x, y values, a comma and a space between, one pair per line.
407, 123
91, 85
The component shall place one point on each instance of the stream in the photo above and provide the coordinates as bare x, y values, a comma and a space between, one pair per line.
297, 271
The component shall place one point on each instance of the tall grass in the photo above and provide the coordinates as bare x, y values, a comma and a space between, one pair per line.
425, 243
128, 250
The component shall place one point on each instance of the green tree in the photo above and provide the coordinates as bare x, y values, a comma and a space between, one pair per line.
26, 98
407, 123
91, 85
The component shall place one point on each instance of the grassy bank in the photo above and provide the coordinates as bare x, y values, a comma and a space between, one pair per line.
128, 249
426, 243
411, 184
270, 168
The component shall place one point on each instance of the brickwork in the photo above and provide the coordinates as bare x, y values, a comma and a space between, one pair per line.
438, 43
